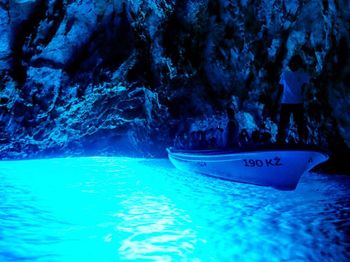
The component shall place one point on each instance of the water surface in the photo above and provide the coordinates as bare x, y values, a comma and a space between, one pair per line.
115, 209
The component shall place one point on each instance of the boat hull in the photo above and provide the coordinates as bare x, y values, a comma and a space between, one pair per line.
280, 169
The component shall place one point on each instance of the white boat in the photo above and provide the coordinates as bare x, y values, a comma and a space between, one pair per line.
276, 166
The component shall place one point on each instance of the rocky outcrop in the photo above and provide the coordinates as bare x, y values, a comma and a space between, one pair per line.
5, 50
86, 77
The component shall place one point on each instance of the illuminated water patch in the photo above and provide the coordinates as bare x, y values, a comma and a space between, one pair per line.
112, 209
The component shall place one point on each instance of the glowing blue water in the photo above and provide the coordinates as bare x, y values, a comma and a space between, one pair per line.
112, 209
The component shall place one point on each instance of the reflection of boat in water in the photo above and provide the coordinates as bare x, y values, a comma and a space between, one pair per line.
277, 166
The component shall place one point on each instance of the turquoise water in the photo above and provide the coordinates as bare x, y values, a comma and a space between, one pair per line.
115, 209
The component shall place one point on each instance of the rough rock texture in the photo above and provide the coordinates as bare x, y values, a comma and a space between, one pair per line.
87, 77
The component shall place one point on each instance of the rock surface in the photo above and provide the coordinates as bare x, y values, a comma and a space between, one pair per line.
123, 77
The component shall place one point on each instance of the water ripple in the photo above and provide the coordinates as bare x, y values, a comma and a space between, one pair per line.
112, 209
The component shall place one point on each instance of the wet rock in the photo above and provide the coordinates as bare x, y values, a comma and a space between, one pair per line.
73, 33
5, 50
44, 84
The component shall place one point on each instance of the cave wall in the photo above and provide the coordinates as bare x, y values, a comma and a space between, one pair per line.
87, 77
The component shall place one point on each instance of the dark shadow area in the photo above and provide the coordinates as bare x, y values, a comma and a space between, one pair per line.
109, 46
21, 33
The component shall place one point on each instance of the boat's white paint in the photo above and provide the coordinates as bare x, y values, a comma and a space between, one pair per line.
280, 169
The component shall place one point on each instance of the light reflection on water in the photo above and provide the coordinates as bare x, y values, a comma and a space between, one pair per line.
112, 209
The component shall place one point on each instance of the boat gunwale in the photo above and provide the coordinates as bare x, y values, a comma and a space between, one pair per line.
247, 149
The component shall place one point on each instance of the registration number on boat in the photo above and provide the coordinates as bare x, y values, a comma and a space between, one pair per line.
262, 162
